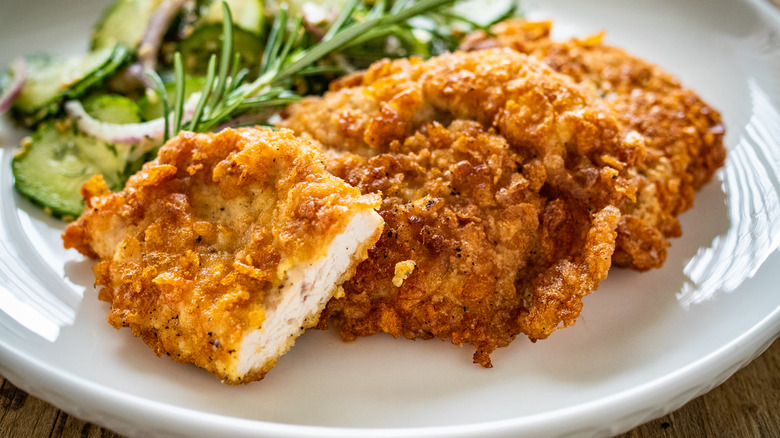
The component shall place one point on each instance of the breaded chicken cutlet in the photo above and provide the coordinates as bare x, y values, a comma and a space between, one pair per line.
683, 135
500, 180
226, 247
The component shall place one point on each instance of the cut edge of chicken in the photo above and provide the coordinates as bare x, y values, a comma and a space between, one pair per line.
304, 293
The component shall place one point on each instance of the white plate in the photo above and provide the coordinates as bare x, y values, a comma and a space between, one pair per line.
644, 345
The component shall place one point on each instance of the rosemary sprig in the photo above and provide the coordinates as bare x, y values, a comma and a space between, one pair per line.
348, 33
226, 95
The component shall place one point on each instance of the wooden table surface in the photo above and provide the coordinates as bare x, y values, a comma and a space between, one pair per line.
746, 405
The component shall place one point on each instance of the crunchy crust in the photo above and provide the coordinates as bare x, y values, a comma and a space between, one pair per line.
683, 135
199, 241
500, 180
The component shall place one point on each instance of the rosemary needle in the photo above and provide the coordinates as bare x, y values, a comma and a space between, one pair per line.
204, 96
226, 55
178, 107
160, 87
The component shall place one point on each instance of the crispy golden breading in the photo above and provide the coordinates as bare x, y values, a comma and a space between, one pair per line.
500, 180
684, 135
209, 245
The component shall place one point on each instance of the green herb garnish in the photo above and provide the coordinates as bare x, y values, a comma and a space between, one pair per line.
224, 96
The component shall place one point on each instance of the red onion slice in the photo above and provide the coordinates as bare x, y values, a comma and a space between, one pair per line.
159, 23
14, 89
127, 133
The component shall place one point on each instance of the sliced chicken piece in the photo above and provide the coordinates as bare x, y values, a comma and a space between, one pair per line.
226, 247
307, 288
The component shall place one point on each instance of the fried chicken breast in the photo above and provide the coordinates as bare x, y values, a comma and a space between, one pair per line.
499, 180
683, 135
226, 247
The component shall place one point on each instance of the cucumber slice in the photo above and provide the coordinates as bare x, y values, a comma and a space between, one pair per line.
56, 160
123, 22
118, 58
247, 14
50, 80
112, 108
206, 40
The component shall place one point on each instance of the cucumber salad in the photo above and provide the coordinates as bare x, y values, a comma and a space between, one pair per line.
155, 67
